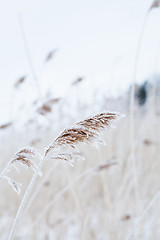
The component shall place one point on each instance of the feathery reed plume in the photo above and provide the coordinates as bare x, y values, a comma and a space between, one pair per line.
106, 166
47, 106
27, 157
6, 125
50, 55
147, 142
54, 100
78, 80
44, 109
20, 81
65, 148
126, 217
155, 4
88, 131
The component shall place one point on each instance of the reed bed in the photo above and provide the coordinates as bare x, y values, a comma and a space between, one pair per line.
94, 199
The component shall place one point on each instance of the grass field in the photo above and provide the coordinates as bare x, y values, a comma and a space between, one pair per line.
103, 197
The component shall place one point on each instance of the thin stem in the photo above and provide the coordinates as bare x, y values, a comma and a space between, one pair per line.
4, 170
50, 170
132, 105
60, 193
143, 213
25, 197
28, 55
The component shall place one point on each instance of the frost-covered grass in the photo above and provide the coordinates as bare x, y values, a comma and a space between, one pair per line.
95, 199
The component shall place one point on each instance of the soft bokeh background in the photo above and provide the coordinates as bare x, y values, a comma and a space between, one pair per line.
94, 39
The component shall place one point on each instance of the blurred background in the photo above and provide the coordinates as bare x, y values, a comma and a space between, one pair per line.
96, 41
62, 61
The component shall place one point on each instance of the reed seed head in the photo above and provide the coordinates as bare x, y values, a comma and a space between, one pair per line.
47, 106
50, 55
155, 4
27, 157
20, 81
6, 125
78, 80
87, 131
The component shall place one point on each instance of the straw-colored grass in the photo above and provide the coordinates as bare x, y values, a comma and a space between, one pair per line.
94, 199
63, 148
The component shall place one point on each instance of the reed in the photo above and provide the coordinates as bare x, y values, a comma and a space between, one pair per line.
27, 157
65, 146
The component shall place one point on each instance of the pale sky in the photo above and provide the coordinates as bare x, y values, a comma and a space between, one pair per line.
95, 38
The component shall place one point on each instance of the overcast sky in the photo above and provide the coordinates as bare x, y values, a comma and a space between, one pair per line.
95, 38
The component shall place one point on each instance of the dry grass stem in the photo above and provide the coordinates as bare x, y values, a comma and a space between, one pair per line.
106, 166
16, 186
26, 157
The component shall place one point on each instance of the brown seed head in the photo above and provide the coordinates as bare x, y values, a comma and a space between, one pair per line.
6, 125
20, 81
24, 157
126, 217
50, 55
155, 4
87, 131
78, 80
28, 157
45, 108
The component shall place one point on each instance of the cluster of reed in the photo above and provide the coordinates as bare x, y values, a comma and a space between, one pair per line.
64, 147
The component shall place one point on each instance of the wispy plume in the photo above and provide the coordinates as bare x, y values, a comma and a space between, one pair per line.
28, 157
78, 80
20, 81
50, 55
155, 4
6, 125
47, 106
87, 131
